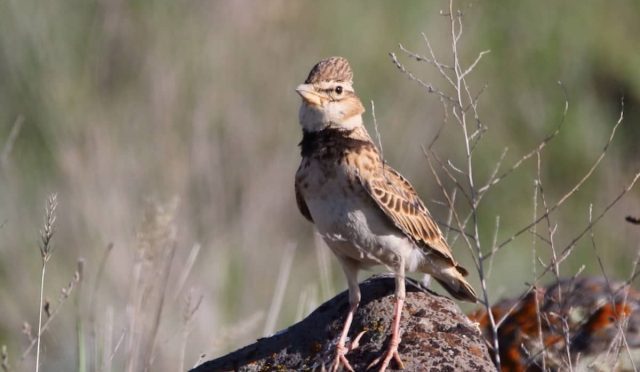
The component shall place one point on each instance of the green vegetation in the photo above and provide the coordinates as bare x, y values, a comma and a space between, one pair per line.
163, 125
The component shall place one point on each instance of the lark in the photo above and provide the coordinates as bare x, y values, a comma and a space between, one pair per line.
366, 212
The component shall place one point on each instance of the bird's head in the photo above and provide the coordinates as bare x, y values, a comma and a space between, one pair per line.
328, 98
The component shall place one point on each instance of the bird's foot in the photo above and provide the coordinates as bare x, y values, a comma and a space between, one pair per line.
392, 353
341, 360
341, 351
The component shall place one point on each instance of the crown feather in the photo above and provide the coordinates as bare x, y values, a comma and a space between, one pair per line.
331, 69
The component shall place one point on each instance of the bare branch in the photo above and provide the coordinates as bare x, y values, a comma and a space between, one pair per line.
375, 126
420, 58
473, 65
445, 120
427, 86
575, 187
567, 251
446, 170
438, 64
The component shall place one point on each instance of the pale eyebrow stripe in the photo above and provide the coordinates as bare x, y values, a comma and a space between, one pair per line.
329, 85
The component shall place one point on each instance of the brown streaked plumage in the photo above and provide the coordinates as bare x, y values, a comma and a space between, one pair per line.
400, 202
335, 68
366, 211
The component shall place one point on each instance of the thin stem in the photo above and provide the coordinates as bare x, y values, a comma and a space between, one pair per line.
44, 267
575, 188
65, 293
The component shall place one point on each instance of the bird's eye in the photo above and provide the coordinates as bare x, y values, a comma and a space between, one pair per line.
339, 89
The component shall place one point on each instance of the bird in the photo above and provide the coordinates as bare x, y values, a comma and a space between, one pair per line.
367, 213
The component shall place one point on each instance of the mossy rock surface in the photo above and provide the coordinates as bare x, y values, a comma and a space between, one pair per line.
436, 335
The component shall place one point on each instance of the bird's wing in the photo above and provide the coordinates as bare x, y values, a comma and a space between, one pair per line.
401, 203
302, 205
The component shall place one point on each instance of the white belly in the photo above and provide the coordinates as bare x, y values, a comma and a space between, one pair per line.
353, 226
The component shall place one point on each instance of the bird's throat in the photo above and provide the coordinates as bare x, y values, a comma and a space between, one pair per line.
333, 142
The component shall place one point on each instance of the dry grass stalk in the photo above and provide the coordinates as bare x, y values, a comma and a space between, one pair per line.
46, 247
190, 308
155, 253
52, 312
100, 358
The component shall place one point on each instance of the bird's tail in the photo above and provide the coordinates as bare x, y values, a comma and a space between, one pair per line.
452, 279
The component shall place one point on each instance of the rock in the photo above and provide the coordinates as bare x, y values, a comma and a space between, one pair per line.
592, 313
436, 335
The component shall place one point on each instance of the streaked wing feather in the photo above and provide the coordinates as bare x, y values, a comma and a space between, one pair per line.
401, 203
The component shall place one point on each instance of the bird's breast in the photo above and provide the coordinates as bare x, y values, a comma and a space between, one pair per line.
346, 216
332, 192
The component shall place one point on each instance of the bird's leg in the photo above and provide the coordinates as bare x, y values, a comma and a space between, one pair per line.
392, 350
350, 269
341, 349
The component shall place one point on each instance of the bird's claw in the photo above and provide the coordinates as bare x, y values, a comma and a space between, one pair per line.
392, 353
341, 360
356, 341
341, 351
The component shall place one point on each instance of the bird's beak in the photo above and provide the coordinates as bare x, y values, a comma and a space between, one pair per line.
308, 94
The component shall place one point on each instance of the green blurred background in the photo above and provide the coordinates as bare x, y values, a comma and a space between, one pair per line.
127, 106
